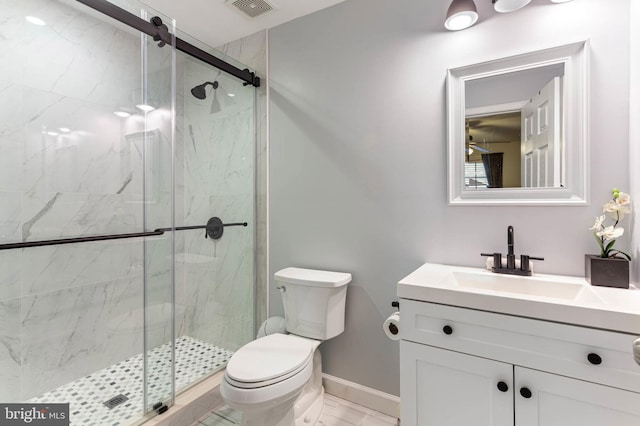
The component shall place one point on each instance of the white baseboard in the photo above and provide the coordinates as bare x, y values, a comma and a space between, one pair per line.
205, 396
367, 397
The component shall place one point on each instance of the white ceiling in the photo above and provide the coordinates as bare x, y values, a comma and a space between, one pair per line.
216, 22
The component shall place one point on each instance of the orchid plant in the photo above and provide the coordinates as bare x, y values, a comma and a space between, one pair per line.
606, 236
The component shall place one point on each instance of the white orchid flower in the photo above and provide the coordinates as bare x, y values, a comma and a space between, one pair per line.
616, 210
598, 223
610, 232
623, 199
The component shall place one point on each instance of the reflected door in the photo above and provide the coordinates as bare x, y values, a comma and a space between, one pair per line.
541, 155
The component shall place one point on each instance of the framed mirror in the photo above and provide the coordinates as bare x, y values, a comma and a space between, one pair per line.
517, 129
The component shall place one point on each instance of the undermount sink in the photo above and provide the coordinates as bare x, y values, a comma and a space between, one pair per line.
526, 286
550, 297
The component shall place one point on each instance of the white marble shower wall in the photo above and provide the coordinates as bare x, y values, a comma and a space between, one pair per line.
215, 287
70, 167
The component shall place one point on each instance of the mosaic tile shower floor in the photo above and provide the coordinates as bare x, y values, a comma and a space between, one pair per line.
195, 359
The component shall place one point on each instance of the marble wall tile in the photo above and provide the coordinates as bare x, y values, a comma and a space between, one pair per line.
10, 275
10, 206
75, 43
53, 215
11, 138
45, 269
10, 350
94, 156
69, 333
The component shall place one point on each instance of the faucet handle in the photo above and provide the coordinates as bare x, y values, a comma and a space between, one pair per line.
524, 262
497, 258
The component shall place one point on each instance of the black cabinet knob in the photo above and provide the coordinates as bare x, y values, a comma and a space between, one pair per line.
594, 359
503, 387
447, 330
525, 392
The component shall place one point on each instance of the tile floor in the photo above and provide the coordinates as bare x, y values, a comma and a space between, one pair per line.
194, 360
336, 412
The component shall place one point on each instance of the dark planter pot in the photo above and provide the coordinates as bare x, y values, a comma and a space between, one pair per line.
607, 272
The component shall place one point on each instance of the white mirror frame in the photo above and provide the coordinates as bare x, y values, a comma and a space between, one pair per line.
574, 56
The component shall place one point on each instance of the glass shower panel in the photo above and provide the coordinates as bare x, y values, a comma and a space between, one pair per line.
158, 98
80, 158
215, 162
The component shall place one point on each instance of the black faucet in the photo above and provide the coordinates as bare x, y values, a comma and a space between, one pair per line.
511, 258
510, 268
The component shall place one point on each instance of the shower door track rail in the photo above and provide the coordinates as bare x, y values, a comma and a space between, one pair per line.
161, 34
214, 229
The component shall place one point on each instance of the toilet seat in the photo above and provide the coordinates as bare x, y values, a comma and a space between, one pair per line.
269, 360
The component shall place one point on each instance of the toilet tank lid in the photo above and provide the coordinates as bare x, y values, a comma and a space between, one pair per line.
312, 277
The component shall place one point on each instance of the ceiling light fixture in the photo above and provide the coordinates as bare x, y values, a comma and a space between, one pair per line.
461, 14
504, 6
122, 114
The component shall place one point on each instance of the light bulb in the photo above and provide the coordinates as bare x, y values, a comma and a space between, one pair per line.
461, 14
503, 6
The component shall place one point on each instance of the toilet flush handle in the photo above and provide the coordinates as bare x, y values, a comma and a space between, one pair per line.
282, 288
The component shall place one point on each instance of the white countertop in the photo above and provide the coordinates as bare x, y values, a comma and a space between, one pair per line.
557, 298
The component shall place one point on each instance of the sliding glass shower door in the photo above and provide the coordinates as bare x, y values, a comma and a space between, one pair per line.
102, 136
86, 136
216, 149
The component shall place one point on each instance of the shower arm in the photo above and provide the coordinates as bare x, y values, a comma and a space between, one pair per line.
214, 229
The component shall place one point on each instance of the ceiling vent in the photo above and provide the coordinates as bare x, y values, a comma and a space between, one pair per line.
252, 8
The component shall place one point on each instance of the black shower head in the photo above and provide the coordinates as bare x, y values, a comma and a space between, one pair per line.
200, 92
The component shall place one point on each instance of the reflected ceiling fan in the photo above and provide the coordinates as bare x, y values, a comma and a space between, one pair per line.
471, 146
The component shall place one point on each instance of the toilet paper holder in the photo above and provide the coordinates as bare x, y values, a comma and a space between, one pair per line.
395, 304
391, 325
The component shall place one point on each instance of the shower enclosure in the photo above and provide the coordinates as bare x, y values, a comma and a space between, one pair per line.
108, 158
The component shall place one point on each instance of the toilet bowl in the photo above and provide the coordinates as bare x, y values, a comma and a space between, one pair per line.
276, 380
265, 378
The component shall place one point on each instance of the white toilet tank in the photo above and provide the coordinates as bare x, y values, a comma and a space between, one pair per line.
314, 301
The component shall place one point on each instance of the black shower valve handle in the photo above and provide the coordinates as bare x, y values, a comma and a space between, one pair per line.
215, 228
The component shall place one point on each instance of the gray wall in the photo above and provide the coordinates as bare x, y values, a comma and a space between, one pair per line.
358, 154
634, 137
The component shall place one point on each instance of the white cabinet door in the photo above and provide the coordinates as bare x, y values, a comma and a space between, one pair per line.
445, 388
562, 401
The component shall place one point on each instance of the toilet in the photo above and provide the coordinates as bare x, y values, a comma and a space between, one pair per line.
276, 380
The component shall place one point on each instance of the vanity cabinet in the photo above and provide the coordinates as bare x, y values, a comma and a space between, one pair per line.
465, 367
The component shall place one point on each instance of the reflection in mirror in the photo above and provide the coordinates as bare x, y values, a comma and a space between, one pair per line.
517, 129
503, 150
